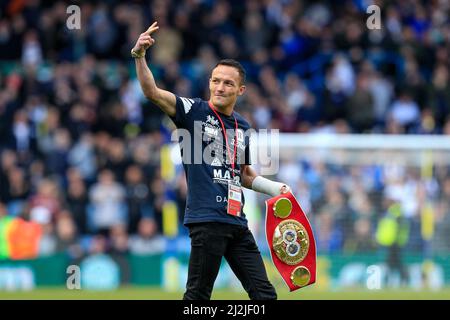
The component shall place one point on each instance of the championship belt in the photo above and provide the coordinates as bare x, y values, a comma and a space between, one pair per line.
291, 241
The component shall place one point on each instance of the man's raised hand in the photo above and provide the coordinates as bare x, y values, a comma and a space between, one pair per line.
145, 40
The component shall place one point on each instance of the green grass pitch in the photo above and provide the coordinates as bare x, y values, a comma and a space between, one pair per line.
152, 293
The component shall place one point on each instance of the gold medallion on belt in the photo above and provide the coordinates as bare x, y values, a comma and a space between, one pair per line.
290, 241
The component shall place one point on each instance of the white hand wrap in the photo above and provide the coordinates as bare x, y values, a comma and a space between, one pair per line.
272, 188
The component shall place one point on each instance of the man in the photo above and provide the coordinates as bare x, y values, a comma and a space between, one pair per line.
217, 225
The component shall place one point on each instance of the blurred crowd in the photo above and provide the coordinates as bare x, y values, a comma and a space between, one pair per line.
80, 144
349, 204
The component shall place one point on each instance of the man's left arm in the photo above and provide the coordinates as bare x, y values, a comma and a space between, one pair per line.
251, 180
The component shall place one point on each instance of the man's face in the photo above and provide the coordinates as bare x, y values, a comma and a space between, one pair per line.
225, 86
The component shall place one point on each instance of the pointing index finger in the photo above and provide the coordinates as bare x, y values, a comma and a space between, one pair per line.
152, 28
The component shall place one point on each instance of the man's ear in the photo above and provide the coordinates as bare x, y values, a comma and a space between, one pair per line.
241, 90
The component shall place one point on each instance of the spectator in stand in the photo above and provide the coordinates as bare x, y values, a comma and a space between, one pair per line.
118, 250
147, 241
107, 206
18, 191
66, 234
360, 109
439, 94
138, 197
405, 111
46, 203
77, 201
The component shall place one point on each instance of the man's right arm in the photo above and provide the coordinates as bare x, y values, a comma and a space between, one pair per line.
163, 99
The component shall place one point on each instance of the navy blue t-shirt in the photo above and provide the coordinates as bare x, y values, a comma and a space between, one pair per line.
206, 160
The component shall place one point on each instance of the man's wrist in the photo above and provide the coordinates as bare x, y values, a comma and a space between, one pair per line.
272, 188
135, 54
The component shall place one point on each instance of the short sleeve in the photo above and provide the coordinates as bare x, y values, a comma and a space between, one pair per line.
183, 112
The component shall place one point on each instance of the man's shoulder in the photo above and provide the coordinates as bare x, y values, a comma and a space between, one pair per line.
188, 103
243, 122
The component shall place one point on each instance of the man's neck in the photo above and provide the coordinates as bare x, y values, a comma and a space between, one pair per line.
224, 110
